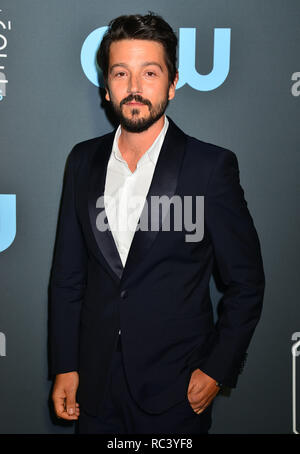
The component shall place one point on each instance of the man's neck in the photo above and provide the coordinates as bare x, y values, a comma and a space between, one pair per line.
133, 145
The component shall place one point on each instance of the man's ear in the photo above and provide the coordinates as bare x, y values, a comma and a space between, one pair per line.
172, 87
107, 97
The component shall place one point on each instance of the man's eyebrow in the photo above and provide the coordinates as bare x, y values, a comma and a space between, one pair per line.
146, 63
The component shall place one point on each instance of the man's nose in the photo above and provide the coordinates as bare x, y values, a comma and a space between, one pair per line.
134, 84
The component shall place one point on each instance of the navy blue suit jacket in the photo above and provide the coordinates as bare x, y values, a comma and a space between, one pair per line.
160, 299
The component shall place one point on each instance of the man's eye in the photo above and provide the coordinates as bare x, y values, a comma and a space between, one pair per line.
150, 73
120, 74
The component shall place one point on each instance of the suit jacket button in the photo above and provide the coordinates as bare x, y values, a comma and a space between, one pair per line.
124, 294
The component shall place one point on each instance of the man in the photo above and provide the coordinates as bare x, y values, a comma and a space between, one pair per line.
133, 341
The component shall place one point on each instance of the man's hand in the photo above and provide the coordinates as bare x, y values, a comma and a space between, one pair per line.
64, 395
201, 390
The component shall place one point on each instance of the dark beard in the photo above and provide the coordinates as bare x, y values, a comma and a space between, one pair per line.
131, 125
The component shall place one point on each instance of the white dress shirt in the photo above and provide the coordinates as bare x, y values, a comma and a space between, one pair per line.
125, 191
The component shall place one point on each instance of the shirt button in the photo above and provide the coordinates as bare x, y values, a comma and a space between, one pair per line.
124, 294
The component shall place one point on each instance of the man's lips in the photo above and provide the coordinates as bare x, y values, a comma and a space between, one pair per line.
134, 103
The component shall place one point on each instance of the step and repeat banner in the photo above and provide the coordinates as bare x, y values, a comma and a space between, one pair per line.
239, 88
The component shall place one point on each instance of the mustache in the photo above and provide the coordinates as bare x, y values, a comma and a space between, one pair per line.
136, 98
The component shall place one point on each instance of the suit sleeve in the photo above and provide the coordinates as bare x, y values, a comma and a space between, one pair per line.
68, 280
238, 256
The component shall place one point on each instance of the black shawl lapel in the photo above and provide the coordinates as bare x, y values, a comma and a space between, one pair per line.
164, 183
97, 179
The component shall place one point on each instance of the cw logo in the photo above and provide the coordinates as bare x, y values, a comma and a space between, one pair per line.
187, 51
7, 220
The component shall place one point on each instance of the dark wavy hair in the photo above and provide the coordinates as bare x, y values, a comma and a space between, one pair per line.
149, 27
